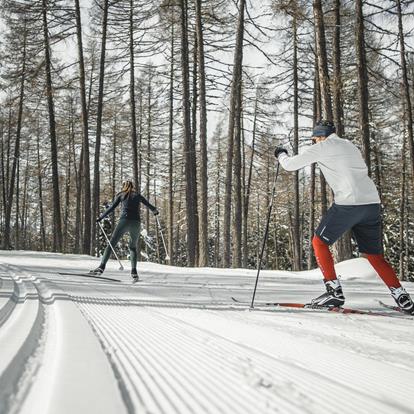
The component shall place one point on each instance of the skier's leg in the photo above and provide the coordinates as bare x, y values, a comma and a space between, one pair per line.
119, 231
134, 228
384, 269
324, 258
387, 274
337, 221
368, 235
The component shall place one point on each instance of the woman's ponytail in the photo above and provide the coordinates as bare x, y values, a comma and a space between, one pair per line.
127, 187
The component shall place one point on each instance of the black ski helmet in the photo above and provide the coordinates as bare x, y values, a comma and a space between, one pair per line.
323, 129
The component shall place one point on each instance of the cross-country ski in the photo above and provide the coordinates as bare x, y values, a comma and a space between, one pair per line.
90, 275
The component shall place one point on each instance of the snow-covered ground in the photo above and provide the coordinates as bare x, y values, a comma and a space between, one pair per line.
177, 343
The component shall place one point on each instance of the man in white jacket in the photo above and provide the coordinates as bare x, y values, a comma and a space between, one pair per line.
356, 207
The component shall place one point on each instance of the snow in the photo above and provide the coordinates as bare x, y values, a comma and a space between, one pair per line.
177, 343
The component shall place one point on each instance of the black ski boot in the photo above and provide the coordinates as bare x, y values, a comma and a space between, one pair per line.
96, 272
403, 300
333, 296
134, 275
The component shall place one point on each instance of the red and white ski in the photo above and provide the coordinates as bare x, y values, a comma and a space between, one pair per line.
337, 309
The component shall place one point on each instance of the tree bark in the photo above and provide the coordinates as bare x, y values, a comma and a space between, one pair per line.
237, 173
322, 61
16, 157
248, 187
57, 219
408, 111
203, 223
189, 155
297, 249
134, 138
96, 167
40, 185
171, 155
86, 249
235, 87
402, 211
362, 84
148, 151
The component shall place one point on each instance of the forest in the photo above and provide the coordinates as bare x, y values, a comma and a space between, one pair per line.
188, 99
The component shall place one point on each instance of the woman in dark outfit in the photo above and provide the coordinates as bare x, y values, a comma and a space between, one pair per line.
129, 221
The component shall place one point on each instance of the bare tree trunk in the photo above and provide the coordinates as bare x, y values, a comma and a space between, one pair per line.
79, 192
237, 173
189, 155
235, 88
171, 156
402, 212
406, 87
248, 187
67, 201
322, 61
132, 96
9, 201
3, 182
57, 219
203, 256
16, 220
218, 256
194, 139
85, 131
297, 248
96, 167
40, 188
362, 83
25, 198
114, 146
148, 170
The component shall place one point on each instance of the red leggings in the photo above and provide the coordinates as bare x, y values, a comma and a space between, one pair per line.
326, 264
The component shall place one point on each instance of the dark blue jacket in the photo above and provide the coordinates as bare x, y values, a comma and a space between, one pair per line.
130, 205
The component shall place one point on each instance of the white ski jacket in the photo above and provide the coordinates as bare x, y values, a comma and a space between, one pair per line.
343, 167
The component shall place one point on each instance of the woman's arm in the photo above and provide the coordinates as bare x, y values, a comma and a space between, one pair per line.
111, 208
147, 204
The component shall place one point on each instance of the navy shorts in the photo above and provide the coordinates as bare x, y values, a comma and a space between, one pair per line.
363, 220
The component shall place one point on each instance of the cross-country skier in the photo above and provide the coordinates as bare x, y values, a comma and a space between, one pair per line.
356, 207
129, 221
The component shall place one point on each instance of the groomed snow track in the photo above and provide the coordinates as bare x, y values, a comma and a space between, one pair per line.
177, 344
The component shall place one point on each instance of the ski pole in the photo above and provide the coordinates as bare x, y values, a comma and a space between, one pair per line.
117, 258
167, 257
269, 212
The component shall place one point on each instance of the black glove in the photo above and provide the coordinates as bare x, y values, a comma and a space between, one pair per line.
280, 150
155, 212
98, 219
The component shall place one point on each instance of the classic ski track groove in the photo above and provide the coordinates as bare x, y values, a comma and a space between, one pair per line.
17, 377
10, 289
177, 375
342, 366
98, 314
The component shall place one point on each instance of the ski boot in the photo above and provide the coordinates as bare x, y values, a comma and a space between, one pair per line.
96, 272
403, 300
134, 275
333, 295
